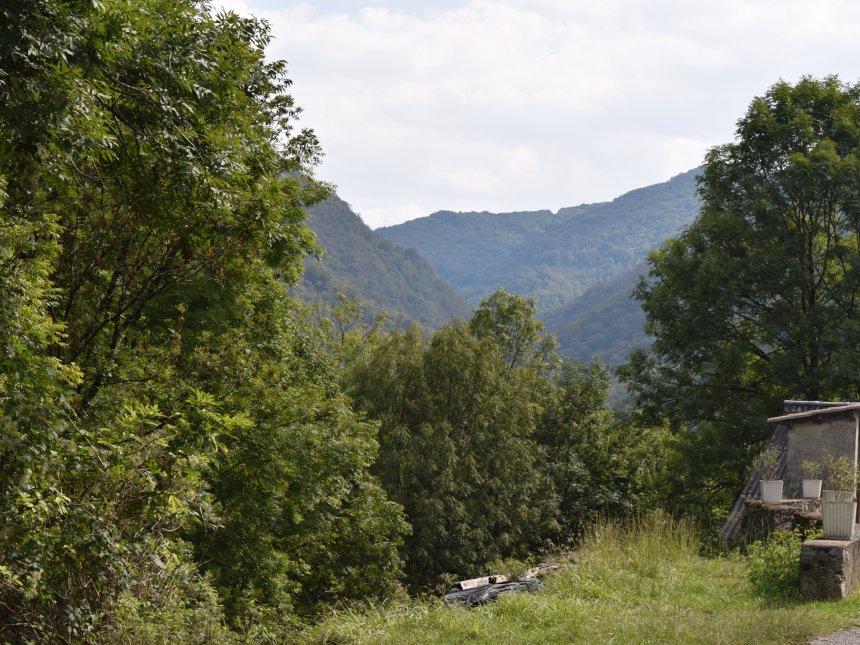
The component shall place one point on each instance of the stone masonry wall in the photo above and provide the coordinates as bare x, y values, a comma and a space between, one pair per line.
809, 438
829, 569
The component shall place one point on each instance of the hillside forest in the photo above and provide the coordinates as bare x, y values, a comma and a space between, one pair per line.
190, 453
359, 265
581, 264
554, 257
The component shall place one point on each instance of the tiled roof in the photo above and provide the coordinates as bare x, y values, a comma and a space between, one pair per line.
778, 439
833, 409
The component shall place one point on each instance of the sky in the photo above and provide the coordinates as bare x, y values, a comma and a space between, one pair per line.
513, 105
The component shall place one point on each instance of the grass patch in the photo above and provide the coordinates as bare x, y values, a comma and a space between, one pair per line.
641, 582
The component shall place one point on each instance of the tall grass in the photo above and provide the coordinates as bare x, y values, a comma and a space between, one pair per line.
639, 581
642, 541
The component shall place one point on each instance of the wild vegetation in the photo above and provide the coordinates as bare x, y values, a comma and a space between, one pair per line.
382, 275
494, 447
174, 450
641, 582
179, 454
189, 454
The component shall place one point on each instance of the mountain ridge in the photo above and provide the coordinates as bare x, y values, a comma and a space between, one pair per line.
552, 256
580, 262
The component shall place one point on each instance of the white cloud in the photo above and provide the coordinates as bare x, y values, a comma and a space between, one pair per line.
527, 104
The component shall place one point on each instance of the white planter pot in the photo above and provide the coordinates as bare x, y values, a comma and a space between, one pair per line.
838, 519
837, 496
812, 488
771, 491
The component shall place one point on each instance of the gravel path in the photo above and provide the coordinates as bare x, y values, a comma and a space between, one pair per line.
850, 637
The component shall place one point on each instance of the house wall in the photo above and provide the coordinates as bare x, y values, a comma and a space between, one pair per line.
809, 438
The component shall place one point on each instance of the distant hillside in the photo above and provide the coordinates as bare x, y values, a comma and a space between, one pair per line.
380, 273
554, 257
604, 321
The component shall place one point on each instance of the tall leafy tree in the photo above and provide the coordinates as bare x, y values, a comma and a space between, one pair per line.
495, 447
459, 415
157, 394
757, 300
301, 521
511, 320
586, 453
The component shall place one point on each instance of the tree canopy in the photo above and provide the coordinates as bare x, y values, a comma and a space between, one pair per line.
176, 455
494, 446
179, 459
757, 301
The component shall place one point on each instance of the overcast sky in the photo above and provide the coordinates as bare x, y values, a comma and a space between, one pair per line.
531, 104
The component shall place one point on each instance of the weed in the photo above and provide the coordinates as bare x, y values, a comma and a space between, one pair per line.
773, 565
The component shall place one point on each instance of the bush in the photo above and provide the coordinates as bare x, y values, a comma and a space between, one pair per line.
840, 473
768, 461
773, 565
512, 568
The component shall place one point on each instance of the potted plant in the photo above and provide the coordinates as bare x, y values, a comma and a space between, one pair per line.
771, 487
839, 501
811, 478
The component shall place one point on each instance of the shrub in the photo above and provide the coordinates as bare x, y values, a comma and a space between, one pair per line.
840, 473
773, 565
512, 568
811, 469
768, 461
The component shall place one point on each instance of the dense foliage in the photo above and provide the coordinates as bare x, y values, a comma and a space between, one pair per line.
382, 275
757, 301
178, 457
171, 443
773, 565
494, 447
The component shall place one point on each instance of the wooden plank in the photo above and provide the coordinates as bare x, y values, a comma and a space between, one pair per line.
474, 583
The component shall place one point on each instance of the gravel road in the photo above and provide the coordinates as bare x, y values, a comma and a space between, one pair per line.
850, 637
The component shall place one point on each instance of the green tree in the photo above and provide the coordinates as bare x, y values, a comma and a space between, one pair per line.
757, 300
457, 448
584, 457
160, 403
494, 447
511, 320
601, 464
301, 522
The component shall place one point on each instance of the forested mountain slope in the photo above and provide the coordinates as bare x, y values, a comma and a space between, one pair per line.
554, 257
604, 321
379, 273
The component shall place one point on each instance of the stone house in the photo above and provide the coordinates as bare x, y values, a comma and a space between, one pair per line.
813, 433
805, 430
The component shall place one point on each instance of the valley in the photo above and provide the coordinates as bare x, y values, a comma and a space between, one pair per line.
579, 263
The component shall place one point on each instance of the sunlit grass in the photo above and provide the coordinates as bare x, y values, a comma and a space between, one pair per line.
639, 582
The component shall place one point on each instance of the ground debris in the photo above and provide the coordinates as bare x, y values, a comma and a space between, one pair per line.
488, 592
477, 591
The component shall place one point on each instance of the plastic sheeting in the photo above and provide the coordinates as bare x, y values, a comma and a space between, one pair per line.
489, 592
